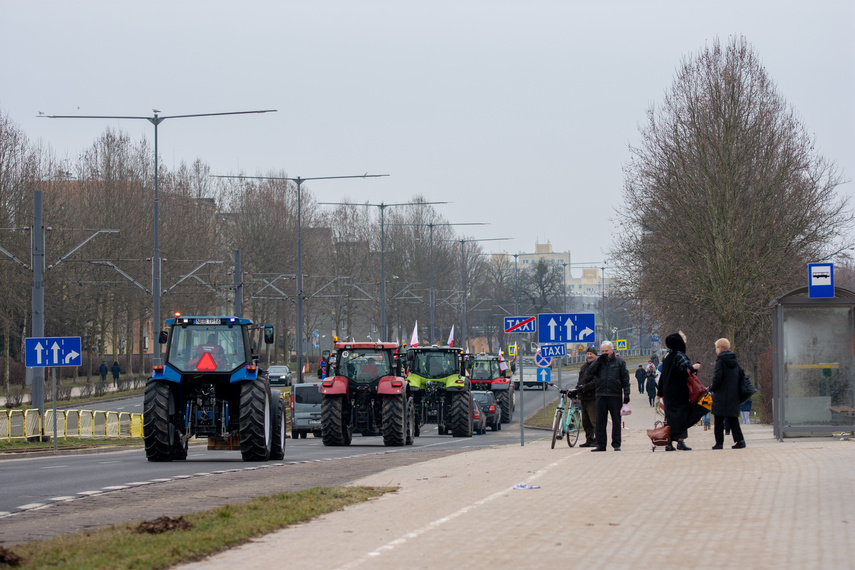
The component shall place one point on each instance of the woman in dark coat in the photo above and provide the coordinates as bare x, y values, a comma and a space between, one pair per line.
674, 390
725, 389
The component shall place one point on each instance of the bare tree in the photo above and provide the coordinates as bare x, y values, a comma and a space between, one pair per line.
725, 202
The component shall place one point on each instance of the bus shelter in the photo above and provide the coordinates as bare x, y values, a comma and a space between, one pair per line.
813, 370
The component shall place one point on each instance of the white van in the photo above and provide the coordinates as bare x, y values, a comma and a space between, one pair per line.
306, 410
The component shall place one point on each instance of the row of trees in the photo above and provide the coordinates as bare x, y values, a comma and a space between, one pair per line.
101, 291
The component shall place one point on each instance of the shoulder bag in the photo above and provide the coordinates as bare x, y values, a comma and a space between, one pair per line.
696, 389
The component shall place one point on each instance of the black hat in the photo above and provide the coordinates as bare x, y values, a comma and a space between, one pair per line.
592, 350
675, 342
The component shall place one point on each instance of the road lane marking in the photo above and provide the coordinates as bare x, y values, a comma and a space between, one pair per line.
30, 506
443, 520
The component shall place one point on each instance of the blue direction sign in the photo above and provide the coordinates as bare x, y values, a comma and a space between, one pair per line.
553, 350
563, 327
820, 280
542, 360
52, 351
544, 375
520, 324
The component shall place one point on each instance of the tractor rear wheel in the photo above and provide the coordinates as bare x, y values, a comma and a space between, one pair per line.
394, 420
255, 421
277, 446
461, 414
159, 434
335, 430
503, 398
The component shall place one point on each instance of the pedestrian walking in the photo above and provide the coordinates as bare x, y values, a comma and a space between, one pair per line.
102, 370
612, 381
674, 390
655, 360
640, 377
725, 392
651, 385
586, 391
115, 369
745, 410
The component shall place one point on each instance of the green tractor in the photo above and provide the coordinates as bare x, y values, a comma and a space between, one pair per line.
440, 389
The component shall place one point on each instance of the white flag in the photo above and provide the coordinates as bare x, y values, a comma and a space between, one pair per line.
502, 364
451, 337
414, 340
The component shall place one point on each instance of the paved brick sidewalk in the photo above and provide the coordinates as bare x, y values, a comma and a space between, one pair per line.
771, 505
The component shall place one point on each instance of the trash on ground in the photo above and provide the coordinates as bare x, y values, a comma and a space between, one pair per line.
524, 486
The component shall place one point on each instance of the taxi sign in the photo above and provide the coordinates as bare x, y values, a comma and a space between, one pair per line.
552, 350
520, 324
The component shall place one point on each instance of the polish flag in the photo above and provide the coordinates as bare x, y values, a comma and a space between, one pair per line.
502, 364
451, 337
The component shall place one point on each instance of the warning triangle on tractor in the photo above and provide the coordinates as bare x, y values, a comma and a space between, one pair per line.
206, 363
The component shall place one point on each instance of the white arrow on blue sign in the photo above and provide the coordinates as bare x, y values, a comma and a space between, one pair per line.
52, 351
565, 327
553, 350
544, 375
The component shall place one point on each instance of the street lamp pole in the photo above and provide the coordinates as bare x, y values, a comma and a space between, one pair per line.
155, 120
382, 206
299, 181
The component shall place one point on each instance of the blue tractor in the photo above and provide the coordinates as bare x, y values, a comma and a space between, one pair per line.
210, 386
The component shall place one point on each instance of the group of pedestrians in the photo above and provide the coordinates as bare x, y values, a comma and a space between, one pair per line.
115, 369
604, 383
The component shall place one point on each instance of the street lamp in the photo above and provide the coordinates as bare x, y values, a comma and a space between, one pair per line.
382, 206
299, 181
155, 120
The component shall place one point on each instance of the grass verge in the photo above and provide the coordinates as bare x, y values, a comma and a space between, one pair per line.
543, 417
203, 533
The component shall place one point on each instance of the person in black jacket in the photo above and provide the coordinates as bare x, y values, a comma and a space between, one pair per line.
612, 379
674, 390
640, 376
725, 391
586, 391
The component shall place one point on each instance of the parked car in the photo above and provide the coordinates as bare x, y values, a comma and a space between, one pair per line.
306, 410
280, 375
479, 419
489, 408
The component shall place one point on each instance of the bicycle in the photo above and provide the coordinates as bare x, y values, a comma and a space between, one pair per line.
568, 418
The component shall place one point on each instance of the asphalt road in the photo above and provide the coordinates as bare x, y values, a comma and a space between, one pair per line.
35, 483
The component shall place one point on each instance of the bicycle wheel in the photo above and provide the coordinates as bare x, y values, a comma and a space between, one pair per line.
556, 424
573, 426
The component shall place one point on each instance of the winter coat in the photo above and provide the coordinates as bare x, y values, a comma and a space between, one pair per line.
116, 369
640, 374
612, 376
102, 370
587, 384
725, 385
675, 392
651, 387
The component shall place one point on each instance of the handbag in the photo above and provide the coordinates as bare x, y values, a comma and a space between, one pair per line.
696, 389
660, 434
706, 401
746, 387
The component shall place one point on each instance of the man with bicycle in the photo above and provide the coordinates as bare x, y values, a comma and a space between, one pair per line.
612, 378
586, 391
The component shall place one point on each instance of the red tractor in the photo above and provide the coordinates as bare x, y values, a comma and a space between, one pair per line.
489, 372
365, 392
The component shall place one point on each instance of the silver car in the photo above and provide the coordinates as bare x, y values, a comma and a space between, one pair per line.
306, 410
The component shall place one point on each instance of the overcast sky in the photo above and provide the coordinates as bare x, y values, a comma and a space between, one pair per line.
518, 113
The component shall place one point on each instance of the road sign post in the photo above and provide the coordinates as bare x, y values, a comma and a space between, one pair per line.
52, 352
513, 325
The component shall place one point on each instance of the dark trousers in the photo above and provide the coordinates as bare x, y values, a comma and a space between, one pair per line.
641, 386
735, 430
608, 406
589, 420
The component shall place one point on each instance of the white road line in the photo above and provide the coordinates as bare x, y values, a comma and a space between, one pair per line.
30, 506
53, 467
138, 483
61, 498
161, 480
115, 488
441, 521
90, 493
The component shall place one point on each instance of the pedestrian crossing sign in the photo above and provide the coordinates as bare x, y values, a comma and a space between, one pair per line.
620, 345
